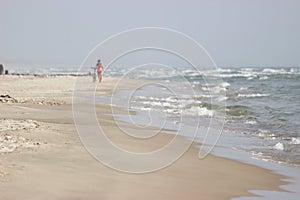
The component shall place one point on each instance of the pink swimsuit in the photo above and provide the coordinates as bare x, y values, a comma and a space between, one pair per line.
99, 69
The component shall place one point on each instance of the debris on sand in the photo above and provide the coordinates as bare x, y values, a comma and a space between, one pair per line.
10, 139
7, 99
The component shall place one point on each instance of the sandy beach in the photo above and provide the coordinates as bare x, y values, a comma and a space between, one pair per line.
41, 155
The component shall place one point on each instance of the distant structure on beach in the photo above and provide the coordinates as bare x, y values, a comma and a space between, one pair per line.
1, 69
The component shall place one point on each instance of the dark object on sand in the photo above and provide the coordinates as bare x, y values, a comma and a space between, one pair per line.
6, 72
1, 69
5, 96
7, 99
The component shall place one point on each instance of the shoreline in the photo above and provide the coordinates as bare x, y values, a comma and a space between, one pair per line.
184, 177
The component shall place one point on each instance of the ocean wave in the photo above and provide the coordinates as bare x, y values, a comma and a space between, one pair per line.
247, 69
249, 110
274, 71
224, 70
280, 158
156, 72
253, 95
198, 111
266, 134
251, 73
186, 105
263, 78
237, 75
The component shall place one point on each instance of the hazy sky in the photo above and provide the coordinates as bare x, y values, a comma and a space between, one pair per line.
234, 32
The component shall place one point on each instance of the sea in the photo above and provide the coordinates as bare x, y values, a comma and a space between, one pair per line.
255, 111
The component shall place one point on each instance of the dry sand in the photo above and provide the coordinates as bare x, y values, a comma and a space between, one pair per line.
41, 156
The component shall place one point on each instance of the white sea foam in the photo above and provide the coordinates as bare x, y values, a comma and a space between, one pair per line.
263, 78
218, 89
170, 99
247, 69
279, 146
221, 98
166, 104
142, 97
274, 71
198, 111
295, 141
251, 122
225, 84
152, 103
143, 108
224, 70
266, 135
233, 75
253, 95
